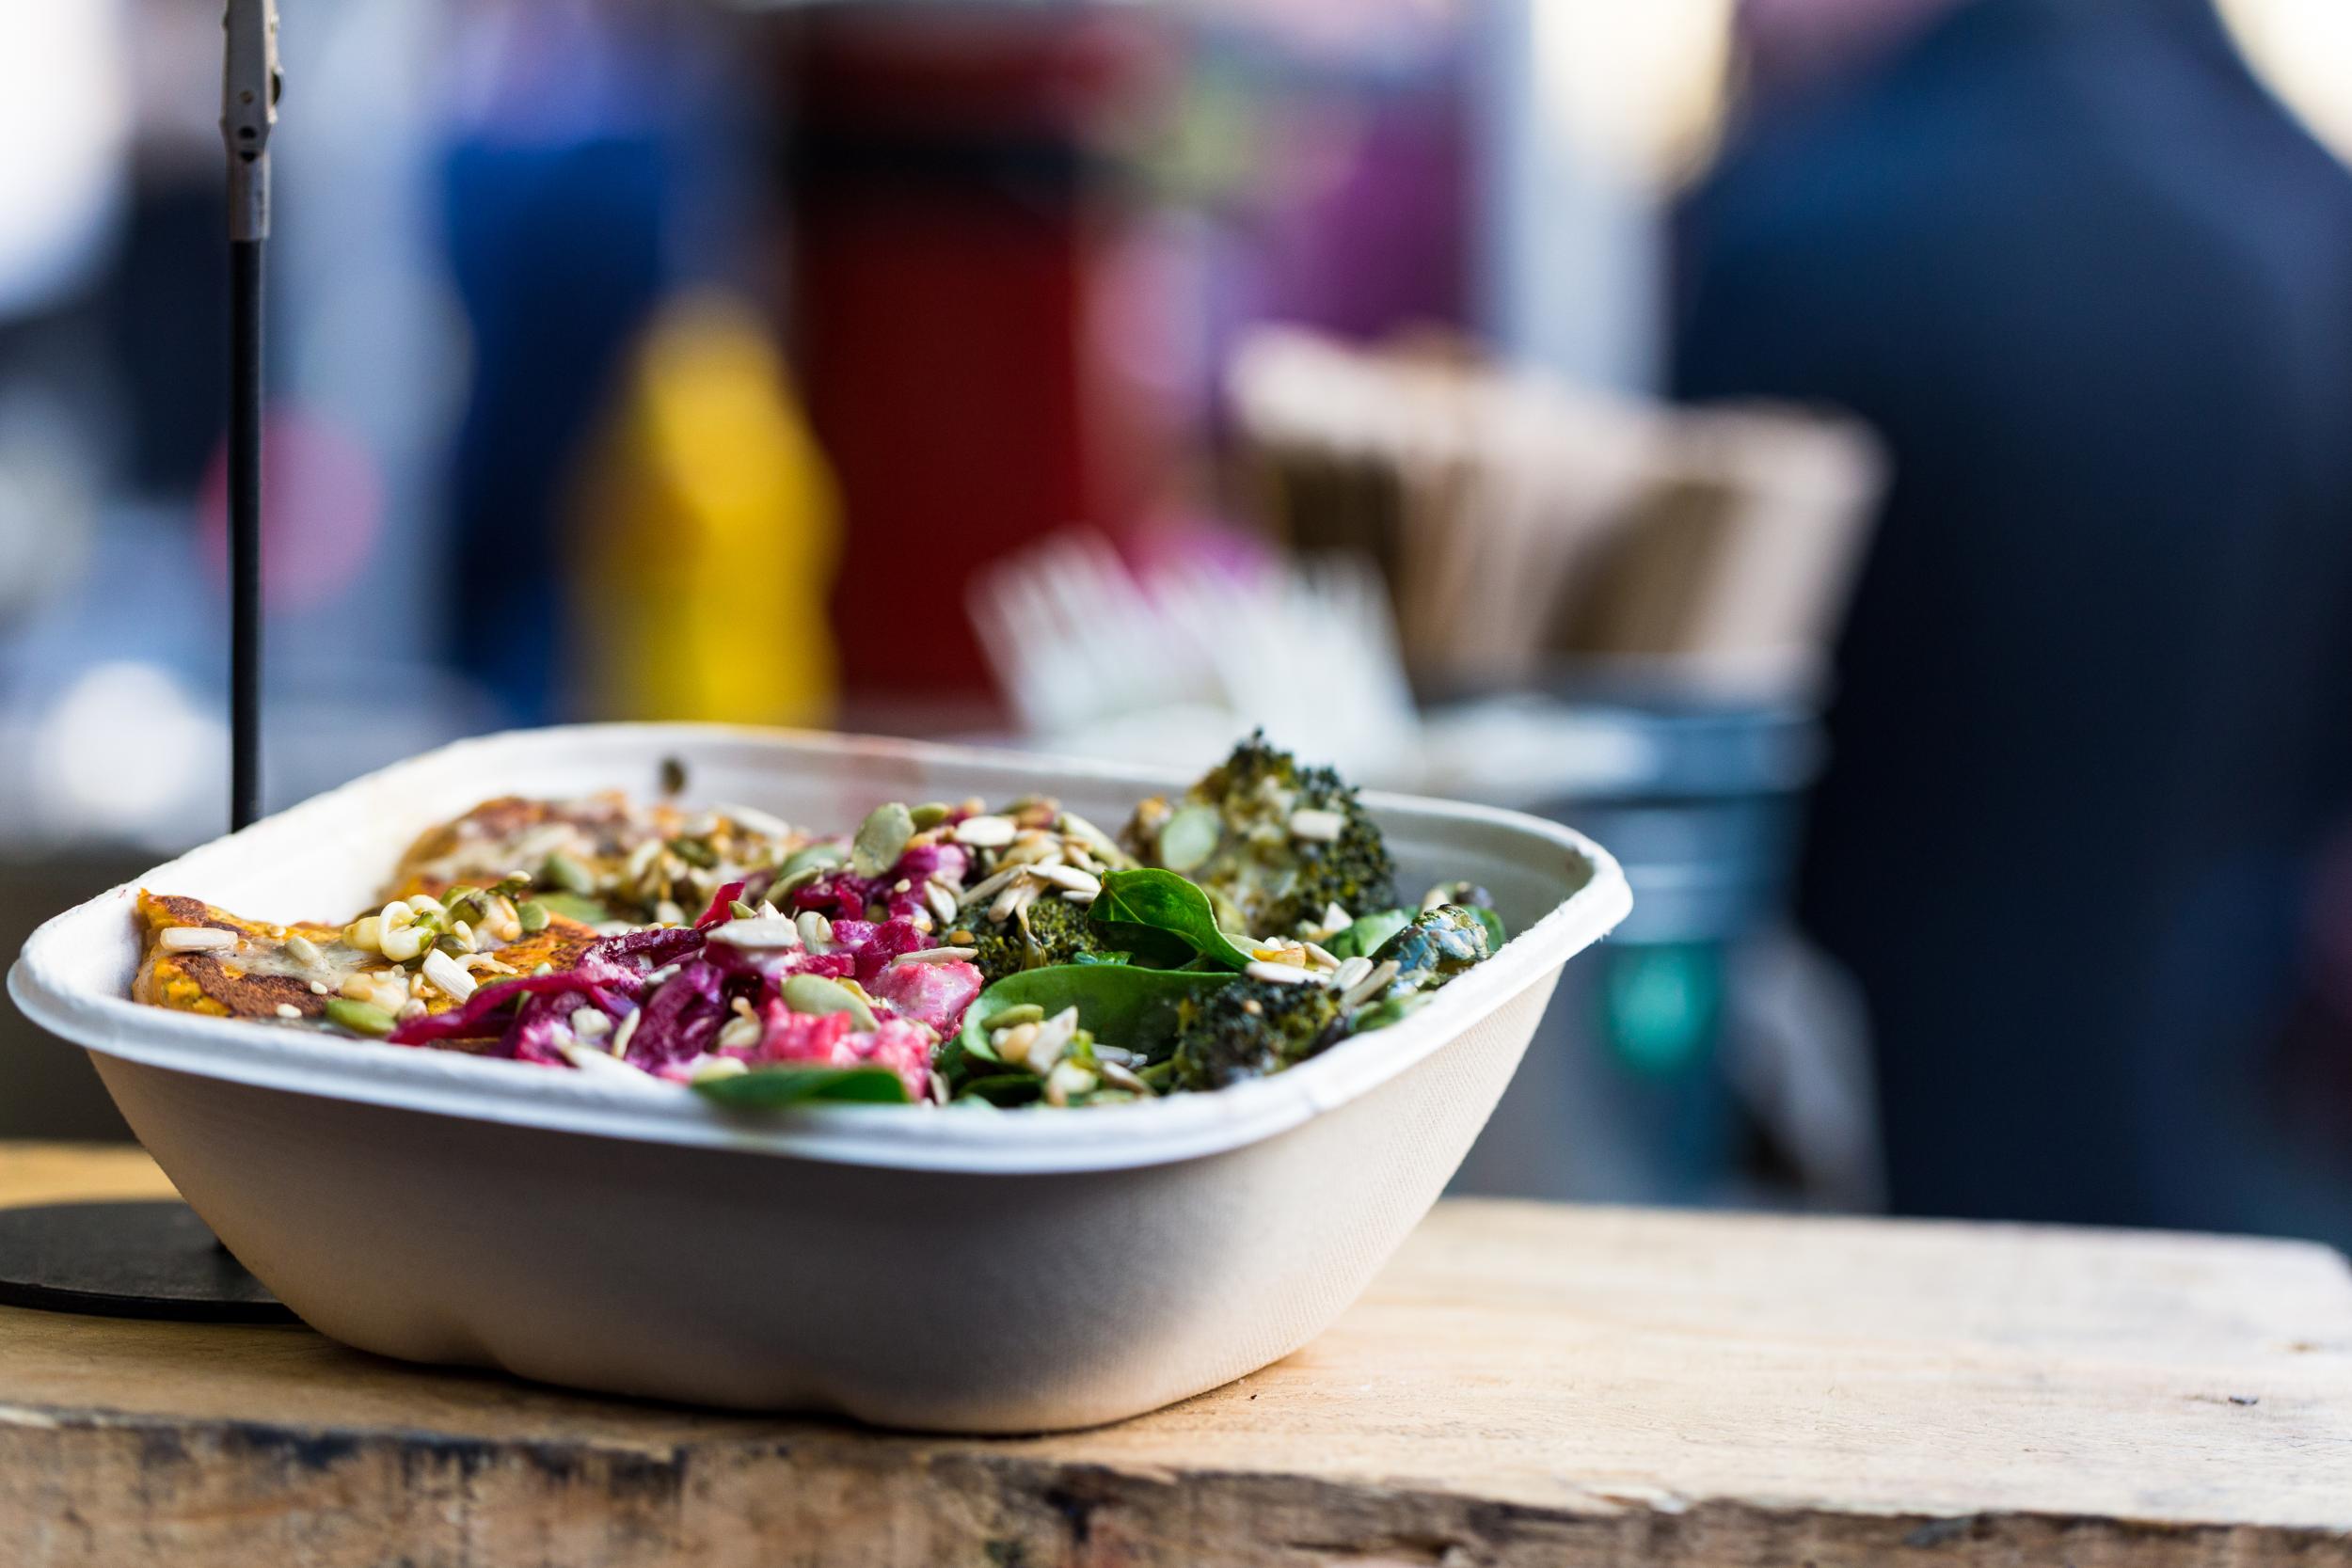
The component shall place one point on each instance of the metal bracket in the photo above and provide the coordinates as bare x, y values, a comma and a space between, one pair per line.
249, 86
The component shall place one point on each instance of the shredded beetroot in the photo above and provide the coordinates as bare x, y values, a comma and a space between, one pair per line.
721, 908
874, 946
843, 894
680, 1018
467, 1021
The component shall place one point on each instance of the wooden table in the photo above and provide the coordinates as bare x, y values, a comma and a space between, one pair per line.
1525, 1385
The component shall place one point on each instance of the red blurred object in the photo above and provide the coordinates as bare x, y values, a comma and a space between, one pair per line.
955, 208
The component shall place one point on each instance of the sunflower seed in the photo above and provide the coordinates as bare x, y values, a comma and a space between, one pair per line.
590, 1024
708, 1067
738, 1034
1375, 981
1287, 974
1322, 955
1052, 1040
195, 939
590, 1060
443, 971
1069, 878
1320, 826
1017, 896
942, 902
621, 1035
286, 1010
985, 833
937, 956
816, 932
1118, 1073
760, 933
1002, 879
1351, 970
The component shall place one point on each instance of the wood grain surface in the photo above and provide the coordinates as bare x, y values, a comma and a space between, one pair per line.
1525, 1385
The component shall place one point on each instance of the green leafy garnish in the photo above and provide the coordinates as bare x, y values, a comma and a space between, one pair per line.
1142, 910
1363, 938
772, 1088
1119, 1004
1004, 1089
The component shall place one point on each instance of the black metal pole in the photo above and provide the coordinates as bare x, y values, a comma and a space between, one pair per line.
248, 110
244, 531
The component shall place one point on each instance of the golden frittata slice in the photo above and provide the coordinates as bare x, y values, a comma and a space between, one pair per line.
201, 959
599, 858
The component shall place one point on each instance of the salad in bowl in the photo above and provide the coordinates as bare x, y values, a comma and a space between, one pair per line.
963, 954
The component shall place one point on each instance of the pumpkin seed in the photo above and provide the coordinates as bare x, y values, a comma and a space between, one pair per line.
930, 813
810, 859
562, 871
360, 1018
1190, 837
882, 838
813, 994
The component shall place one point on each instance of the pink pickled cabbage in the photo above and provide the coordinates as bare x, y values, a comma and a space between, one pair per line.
679, 1017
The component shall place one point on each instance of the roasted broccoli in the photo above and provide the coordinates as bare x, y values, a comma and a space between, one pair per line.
1436, 947
1049, 931
1277, 842
1251, 1028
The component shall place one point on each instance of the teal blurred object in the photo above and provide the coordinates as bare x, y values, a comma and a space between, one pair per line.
1626, 1094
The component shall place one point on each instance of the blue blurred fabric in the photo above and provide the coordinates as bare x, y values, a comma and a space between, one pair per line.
2094, 286
555, 250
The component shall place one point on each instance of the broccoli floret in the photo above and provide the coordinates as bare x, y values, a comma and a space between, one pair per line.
1049, 931
1438, 945
1251, 1028
1277, 843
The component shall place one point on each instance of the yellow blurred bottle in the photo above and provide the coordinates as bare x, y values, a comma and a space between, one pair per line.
711, 533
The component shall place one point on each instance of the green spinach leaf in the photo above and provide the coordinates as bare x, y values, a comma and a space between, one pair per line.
772, 1088
1122, 1004
1363, 938
1142, 908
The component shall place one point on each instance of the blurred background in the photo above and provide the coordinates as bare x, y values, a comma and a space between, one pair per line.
1882, 466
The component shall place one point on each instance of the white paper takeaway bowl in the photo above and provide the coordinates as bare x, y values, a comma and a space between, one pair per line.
956, 1269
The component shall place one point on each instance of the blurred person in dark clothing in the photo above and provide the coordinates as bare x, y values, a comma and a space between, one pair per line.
2092, 724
